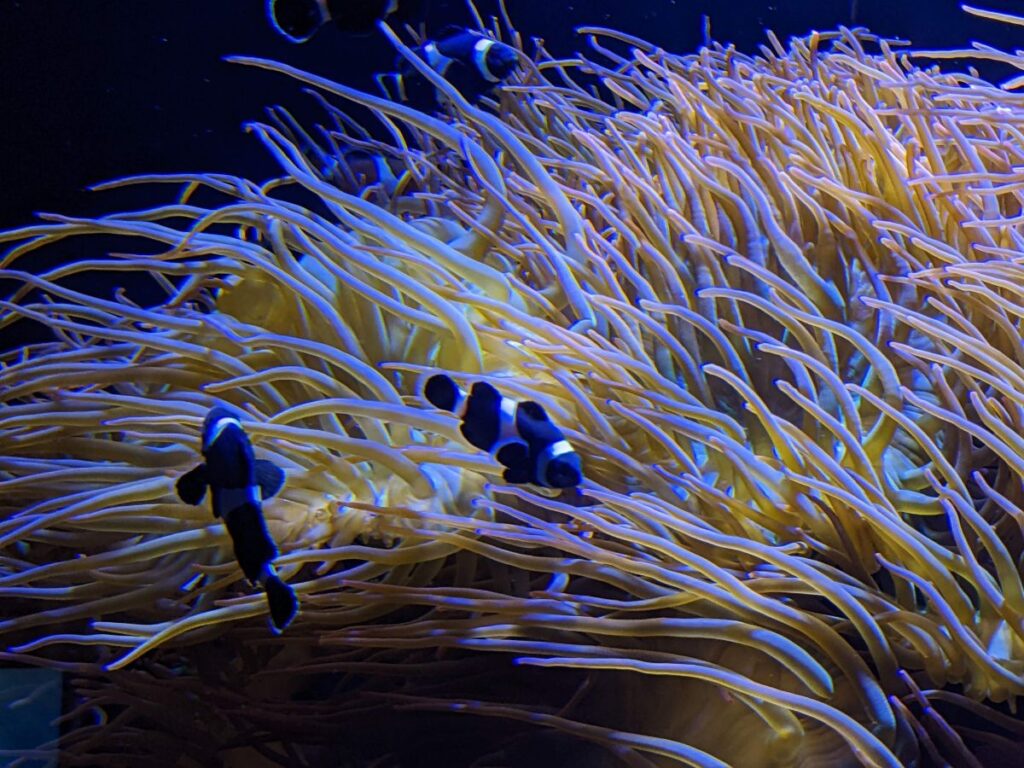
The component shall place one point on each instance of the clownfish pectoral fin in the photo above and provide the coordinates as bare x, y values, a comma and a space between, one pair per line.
512, 454
269, 477
297, 20
282, 602
515, 457
191, 486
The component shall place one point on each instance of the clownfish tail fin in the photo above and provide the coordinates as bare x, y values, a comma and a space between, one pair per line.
282, 602
442, 392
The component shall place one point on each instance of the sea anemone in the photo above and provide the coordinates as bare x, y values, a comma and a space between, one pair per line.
774, 301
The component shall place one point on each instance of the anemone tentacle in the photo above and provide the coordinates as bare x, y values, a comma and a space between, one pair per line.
774, 301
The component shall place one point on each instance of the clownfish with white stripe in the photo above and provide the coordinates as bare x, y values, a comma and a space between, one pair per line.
299, 20
238, 485
473, 63
519, 434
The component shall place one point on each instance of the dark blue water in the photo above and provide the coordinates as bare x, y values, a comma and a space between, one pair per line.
104, 88
30, 702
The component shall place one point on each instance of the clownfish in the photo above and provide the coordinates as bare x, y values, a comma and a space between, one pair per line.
519, 434
355, 170
238, 484
299, 20
473, 63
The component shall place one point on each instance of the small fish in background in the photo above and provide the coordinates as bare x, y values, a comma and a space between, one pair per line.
238, 485
473, 63
299, 20
355, 170
519, 434
365, 170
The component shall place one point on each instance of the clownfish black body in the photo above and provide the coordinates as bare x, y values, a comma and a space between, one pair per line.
473, 63
519, 434
238, 484
299, 20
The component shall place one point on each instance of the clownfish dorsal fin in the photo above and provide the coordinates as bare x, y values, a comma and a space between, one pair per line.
534, 410
191, 486
451, 30
281, 601
269, 477
535, 427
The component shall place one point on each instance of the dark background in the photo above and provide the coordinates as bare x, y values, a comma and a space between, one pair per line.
95, 89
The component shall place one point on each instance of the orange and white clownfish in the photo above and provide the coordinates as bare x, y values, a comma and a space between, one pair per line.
299, 20
473, 63
238, 484
519, 434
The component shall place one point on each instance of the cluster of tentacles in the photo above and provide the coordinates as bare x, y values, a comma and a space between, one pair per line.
774, 301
